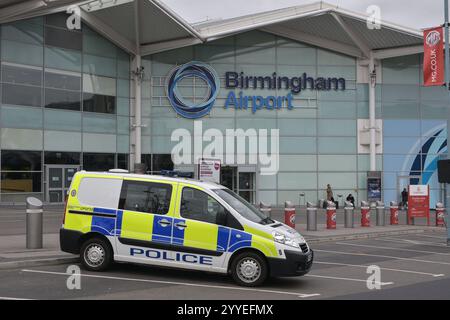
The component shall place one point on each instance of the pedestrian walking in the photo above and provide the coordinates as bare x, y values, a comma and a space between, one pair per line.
404, 198
351, 199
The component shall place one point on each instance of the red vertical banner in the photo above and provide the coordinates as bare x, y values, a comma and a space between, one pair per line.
433, 57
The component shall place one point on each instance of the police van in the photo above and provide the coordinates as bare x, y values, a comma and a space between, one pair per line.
176, 222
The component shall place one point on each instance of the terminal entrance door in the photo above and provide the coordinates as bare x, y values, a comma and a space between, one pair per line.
239, 180
57, 182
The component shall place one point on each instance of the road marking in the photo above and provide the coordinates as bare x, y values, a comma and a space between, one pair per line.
382, 268
347, 279
426, 243
443, 238
381, 256
300, 295
11, 298
391, 248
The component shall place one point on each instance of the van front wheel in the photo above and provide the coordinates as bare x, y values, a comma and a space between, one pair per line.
96, 254
249, 269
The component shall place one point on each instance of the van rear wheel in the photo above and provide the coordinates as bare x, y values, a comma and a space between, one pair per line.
249, 269
96, 254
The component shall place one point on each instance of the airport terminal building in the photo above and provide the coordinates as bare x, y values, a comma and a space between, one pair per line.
346, 100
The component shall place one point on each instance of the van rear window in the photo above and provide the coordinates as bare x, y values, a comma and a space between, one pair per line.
148, 197
99, 192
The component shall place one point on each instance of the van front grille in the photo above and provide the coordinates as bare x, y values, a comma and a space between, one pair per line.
304, 247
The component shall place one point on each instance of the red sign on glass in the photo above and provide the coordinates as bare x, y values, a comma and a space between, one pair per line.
419, 202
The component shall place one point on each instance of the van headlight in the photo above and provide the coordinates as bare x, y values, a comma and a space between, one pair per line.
281, 238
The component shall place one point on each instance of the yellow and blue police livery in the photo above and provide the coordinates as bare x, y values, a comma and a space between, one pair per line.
175, 222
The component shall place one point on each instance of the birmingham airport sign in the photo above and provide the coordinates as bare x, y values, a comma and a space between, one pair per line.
241, 81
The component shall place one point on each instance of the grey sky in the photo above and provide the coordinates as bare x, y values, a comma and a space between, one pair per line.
416, 14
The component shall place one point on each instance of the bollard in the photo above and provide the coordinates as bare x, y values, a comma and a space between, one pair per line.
311, 217
349, 215
365, 214
289, 214
440, 210
380, 213
394, 212
265, 208
331, 215
34, 223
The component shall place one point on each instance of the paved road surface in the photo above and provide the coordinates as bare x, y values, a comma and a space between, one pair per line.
412, 267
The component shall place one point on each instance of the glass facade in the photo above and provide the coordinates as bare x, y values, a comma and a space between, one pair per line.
319, 136
64, 101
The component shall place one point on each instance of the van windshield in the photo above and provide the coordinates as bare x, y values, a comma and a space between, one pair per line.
244, 208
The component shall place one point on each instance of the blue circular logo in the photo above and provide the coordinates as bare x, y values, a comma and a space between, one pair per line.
187, 108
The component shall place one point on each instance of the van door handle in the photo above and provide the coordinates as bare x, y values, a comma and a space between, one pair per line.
164, 223
181, 225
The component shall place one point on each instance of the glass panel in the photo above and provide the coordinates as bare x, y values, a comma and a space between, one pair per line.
99, 142
99, 123
337, 163
12, 160
147, 160
55, 196
62, 157
99, 103
62, 59
23, 31
21, 139
21, 182
122, 161
123, 144
146, 197
98, 161
55, 178
62, 120
63, 38
162, 162
297, 181
62, 81
22, 53
21, 117
228, 177
21, 95
246, 181
99, 85
57, 20
68, 176
99, 65
335, 145
18, 75
62, 99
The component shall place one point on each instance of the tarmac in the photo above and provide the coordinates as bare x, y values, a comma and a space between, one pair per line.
14, 254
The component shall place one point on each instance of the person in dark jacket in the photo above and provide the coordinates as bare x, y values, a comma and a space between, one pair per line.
404, 198
351, 199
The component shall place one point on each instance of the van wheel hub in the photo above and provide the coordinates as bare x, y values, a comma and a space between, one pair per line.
249, 270
94, 255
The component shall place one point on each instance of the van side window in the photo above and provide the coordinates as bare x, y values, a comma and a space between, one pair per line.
148, 197
198, 205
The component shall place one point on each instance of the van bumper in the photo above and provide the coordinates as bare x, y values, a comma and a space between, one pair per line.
69, 240
295, 264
